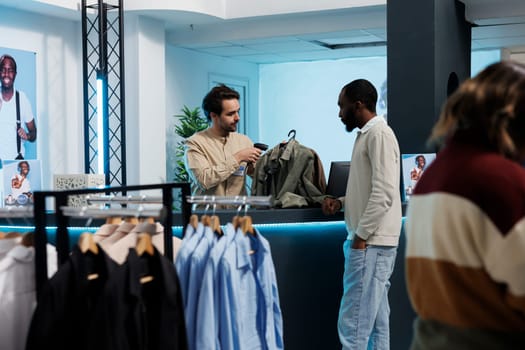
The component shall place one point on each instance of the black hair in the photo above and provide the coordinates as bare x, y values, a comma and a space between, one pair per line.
362, 90
24, 162
4, 57
420, 156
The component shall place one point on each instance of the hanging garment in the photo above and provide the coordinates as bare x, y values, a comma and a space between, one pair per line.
154, 316
292, 174
249, 313
198, 260
17, 295
74, 309
182, 262
110, 238
208, 308
105, 231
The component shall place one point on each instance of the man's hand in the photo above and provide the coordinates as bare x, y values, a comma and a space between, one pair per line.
331, 206
358, 243
22, 133
249, 155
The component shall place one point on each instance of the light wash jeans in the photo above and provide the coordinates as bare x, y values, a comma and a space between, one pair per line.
364, 312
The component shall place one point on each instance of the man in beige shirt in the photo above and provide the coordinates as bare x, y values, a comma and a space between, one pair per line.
218, 158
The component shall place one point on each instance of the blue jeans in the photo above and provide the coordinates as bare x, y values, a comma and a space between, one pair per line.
364, 312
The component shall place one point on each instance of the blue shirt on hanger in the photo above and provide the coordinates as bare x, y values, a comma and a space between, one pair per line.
249, 311
197, 264
182, 261
207, 332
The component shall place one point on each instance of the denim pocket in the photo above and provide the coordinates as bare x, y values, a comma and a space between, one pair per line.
384, 265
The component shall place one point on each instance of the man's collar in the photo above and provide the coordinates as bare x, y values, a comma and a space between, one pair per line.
369, 124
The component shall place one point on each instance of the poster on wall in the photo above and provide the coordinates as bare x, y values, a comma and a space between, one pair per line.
20, 179
413, 167
18, 119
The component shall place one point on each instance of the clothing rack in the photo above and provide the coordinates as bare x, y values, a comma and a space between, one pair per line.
261, 201
123, 200
62, 220
86, 212
16, 212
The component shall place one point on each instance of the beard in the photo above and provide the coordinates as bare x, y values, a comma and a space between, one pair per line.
349, 121
227, 127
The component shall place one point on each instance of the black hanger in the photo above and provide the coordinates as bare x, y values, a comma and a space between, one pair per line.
291, 136
292, 133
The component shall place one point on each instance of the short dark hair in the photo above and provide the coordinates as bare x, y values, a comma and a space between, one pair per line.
23, 162
212, 102
362, 90
4, 57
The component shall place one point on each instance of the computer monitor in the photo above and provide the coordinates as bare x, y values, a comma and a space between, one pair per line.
337, 178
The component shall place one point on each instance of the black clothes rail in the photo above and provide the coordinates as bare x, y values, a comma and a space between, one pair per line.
62, 220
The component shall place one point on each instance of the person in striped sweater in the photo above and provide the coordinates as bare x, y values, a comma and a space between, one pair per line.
465, 223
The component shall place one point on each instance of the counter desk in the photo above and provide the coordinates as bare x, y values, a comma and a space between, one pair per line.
308, 258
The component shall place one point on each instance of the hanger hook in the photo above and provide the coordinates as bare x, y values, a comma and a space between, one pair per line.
207, 206
291, 134
245, 205
193, 204
240, 205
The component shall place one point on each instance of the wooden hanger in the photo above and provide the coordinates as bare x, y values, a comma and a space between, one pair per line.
86, 243
215, 224
144, 244
144, 247
132, 220
205, 220
148, 220
247, 228
2, 235
113, 220
246, 225
194, 221
237, 221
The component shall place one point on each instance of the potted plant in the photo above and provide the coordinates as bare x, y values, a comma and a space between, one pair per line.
190, 122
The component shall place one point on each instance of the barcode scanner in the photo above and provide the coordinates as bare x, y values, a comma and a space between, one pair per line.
261, 146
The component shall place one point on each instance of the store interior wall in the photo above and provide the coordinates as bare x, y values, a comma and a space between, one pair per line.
301, 95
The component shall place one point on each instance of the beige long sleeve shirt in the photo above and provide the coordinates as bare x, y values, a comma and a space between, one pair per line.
373, 199
210, 163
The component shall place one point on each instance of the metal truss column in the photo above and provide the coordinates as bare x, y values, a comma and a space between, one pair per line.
103, 76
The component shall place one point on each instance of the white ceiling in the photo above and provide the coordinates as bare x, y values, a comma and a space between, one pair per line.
319, 35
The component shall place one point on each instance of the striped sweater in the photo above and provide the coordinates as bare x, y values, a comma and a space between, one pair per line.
465, 255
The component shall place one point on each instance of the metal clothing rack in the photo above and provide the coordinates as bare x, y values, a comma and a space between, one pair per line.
62, 220
261, 201
10, 212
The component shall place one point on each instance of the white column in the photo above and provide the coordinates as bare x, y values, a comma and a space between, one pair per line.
145, 95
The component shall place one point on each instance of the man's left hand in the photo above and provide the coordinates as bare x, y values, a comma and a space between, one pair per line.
358, 243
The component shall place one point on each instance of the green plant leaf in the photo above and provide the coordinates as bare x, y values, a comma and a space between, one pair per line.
190, 122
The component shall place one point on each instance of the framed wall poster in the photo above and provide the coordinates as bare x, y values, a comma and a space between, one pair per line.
413, 166
20, 178
19, 77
